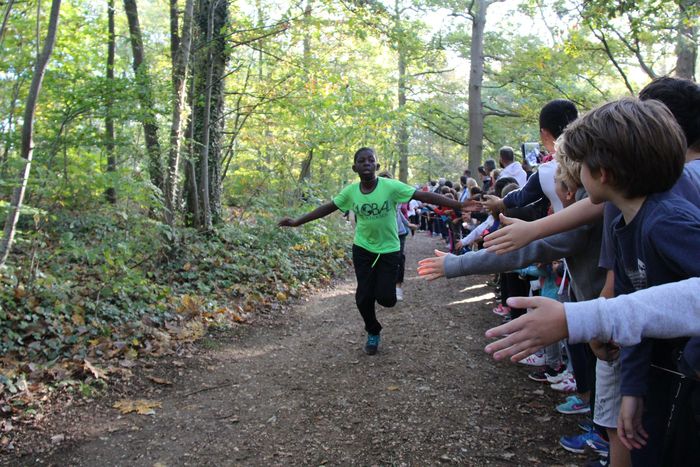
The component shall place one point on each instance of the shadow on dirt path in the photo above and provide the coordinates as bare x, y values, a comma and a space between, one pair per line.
302, 392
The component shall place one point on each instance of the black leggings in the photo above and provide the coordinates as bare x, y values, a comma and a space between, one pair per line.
376, 282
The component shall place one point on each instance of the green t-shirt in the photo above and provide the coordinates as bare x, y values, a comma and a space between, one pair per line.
375, 212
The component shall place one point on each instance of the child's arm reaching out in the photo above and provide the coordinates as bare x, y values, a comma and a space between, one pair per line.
439, 200
518, 233
319, 212
624, 319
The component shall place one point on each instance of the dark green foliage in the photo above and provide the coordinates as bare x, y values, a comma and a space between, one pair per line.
101, 274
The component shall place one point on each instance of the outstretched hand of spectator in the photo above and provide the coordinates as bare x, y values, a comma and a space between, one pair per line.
514, 235
432, 268
544, 325
470, 205
493, 204
629, 423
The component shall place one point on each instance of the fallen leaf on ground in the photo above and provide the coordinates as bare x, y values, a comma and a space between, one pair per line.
140, 406
157, 380
98, 373
392, 388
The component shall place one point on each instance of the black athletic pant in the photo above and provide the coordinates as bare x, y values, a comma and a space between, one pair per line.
376, 282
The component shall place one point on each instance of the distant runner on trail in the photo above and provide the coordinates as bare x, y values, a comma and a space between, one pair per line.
375, 249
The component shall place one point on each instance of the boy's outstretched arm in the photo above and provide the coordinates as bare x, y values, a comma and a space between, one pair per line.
319, 212
517, 233
439, 200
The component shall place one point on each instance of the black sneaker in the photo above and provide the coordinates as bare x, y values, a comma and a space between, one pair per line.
372, 344
541, 375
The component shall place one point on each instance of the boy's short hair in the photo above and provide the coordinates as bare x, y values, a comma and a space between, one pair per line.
556, 115
508, 188
682, 97
362, 151
490, 165
638, 143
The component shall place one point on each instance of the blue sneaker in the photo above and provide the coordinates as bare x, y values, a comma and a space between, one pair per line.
578, 443
372, 344
586, 424
574, 405
599, 445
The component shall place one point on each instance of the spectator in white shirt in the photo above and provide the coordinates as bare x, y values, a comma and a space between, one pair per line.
511, 168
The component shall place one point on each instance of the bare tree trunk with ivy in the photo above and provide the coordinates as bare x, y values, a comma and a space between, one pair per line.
110, 193
145, 93
208, 110
180, 59
28, 133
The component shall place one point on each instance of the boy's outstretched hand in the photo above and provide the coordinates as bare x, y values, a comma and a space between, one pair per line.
514, 235
432, 268
545, 325
287, 222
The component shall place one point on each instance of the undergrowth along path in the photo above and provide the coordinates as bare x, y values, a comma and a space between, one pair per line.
300, 391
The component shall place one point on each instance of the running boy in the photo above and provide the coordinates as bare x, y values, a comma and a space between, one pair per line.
375, 249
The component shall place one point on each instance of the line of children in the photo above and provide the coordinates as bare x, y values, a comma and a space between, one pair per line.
631, 154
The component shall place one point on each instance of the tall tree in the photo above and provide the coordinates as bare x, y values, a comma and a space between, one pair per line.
145, 93
402, 130
180, 63
477, 12
28, 132
110, 193
208, 112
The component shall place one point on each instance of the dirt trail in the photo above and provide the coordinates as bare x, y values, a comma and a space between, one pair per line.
302, 392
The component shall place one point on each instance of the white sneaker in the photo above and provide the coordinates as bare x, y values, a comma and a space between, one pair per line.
399, 294
564, 375
533, 360
567, 385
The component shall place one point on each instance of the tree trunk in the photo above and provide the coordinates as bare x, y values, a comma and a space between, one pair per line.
305, 172
110, 193
687, 45
180, 58
190, 189
402, 134
150, 125
476, 77
306, 167
208, 111
5, 17
402, 130
28, 132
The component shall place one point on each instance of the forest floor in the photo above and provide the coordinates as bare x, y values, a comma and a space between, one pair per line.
295, 388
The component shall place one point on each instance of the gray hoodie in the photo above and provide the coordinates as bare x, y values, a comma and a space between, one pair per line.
628, 318
580, 247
